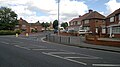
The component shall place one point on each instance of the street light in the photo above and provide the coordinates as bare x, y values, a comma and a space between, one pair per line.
58, 15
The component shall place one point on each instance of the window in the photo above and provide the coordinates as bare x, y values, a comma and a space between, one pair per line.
72, 23
86, 21
23, 26
116, 30
79, 23
86, 28
103, 30
112, 19
119, 17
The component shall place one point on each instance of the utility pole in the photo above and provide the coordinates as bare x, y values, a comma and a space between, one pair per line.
58, 15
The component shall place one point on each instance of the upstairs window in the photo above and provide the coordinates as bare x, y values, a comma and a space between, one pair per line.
23, 26
86, 21
112, 19
79, 22
119, 17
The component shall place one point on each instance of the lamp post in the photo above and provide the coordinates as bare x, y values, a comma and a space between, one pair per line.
58, 15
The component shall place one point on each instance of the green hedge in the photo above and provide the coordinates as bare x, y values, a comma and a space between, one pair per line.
9, 32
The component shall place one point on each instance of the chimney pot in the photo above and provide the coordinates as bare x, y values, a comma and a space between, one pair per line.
90, 11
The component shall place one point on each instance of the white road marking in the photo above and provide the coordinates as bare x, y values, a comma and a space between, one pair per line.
5, 42
82, 57
106, 65
22, 47
42, 39
39, 46
65, 58
44, 49
62, 53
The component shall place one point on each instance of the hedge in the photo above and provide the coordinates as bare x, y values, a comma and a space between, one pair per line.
8, 32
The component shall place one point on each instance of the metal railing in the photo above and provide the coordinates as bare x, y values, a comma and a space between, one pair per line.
70, 40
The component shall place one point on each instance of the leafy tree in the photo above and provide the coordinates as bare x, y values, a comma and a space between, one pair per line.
55, 24
8, 19
45, 25
64, 25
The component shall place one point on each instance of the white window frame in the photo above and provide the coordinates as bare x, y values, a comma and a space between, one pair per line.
86, 21
112, 19
23, 26
116, 30
119, 17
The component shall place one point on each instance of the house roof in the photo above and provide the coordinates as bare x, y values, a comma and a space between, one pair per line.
94, 15
35, 24
114, 13
73, 26
89, 15
21, 21
79, 18
75, 19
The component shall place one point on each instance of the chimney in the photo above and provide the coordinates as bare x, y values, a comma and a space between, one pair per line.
21, 18
90, 11
79, 16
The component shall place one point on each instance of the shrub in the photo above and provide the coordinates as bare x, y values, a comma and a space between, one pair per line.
7, 32
34, 30
18, 31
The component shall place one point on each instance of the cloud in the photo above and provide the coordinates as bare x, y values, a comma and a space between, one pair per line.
112, 5
46, 10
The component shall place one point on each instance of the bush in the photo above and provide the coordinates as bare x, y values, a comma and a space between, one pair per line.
34, 30
18, 31
7, 32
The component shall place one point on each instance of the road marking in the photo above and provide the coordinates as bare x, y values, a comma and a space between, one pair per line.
22, 47
65, 58
44, 49
107, 65
42, 39
82, 57
5, 42
62, 53
39, 46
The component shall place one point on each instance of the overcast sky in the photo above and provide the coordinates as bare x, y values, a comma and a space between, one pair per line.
46, 10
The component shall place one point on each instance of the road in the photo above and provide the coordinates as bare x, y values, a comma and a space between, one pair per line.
32, 51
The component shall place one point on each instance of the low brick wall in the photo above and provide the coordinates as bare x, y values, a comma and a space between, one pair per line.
94, 40
68, 34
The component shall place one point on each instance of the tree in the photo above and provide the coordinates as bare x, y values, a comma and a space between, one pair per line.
64, 25
55, 24
45, 25
8, 19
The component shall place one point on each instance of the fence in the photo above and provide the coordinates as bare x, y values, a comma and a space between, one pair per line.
71, 40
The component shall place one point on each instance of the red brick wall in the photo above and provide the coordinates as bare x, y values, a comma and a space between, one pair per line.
95, 41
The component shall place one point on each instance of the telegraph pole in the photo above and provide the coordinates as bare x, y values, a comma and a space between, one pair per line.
58, 15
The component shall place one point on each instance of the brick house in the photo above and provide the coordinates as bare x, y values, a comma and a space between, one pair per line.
74, 24
113, 24
28, 27
91, 21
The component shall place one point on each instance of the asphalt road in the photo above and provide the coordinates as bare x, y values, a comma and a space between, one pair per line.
32, 51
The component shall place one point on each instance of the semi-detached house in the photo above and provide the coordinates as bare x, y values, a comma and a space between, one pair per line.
91, 21
113, 24
28, 27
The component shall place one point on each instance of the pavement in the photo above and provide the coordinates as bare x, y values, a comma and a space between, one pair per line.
99, 47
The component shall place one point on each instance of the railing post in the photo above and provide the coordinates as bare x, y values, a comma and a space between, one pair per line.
46, 37
68, 40
60, 39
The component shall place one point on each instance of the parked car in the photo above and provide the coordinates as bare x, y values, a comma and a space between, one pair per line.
83, 32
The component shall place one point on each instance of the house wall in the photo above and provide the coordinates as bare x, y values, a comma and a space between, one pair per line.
39, 28
112, 25
116, 20
95, 25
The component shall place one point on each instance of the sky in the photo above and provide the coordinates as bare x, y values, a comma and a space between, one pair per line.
47, 10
